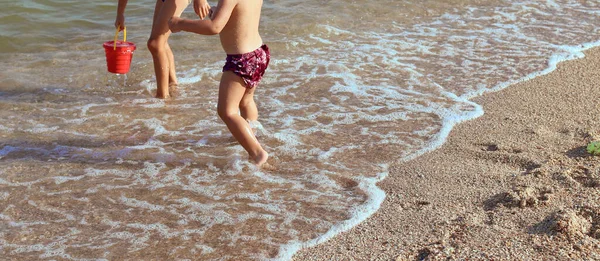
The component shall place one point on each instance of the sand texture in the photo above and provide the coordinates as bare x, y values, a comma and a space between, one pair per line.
513, 184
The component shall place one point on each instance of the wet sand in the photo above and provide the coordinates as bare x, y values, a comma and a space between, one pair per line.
513, 184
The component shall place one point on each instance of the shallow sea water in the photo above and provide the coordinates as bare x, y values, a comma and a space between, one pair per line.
93, 168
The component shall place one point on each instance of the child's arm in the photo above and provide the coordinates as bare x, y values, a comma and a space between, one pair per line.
120, 20
207, 27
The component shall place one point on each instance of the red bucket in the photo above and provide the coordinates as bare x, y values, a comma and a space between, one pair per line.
119, 54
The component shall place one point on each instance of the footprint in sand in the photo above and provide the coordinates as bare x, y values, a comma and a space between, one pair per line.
508, 155
520, 196
584, 176
581, 223
525, 196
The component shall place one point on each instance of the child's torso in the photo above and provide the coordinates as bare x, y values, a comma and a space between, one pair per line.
241, 35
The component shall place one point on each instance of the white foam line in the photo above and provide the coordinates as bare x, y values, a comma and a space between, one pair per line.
375, 197
450, 121
85, 108
574, 52
4, 128
17, 184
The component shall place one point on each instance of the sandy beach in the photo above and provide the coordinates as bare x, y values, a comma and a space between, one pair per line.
513, 184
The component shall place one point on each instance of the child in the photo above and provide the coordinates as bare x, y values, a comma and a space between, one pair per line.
164, 63
236, 22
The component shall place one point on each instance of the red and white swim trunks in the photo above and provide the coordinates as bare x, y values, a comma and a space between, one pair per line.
250, 66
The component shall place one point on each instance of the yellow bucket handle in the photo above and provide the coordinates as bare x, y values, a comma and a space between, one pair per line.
117, 35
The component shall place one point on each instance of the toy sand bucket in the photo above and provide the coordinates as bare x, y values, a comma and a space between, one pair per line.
119, 53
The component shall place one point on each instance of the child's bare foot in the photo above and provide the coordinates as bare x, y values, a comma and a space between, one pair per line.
268, 167
161, 93
173, 89
261, 158
163, 96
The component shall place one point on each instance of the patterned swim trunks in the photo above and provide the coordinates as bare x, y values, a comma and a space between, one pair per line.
250, 66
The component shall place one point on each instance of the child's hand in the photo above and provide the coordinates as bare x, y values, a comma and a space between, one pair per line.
120, 22
202, 8
174, 24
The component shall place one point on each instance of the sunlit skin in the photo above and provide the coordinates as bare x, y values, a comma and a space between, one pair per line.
162, 55
236, 22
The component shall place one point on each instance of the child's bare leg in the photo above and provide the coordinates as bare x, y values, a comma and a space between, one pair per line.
248, 108
231, 93
162, 55
172, 76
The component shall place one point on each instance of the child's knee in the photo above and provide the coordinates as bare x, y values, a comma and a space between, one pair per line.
154, 45
224, 113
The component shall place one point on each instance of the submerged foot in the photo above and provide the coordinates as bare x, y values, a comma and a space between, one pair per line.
163, 96
261, 158
173, 89
169, 92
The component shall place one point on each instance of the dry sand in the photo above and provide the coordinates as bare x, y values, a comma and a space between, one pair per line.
514, 184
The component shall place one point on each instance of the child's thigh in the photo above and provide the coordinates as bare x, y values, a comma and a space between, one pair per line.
231, 90
164, 11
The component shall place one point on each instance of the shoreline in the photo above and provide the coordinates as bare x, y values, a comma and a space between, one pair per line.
515, 183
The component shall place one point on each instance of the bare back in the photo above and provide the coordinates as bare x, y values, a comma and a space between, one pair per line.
240, 34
